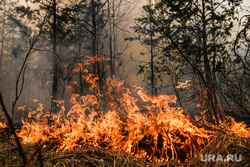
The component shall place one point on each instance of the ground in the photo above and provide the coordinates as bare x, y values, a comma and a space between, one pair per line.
96, 157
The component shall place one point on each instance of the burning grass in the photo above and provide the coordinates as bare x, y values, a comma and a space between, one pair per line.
124, 120
87, 157
96, 157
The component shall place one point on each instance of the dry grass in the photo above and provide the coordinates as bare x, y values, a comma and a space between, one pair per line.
225, 144
87, 157
97, 157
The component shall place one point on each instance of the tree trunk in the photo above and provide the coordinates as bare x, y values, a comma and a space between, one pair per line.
214, 42
110, 41
152, 78
2, 42
114, 35
93, 14
55, 63
94, 53
211, 97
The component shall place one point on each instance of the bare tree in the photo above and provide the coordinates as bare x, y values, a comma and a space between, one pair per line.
3, 34
55, 59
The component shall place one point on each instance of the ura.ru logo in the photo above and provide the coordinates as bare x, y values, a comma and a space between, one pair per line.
219, 157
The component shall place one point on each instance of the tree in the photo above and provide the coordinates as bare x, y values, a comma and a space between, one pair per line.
89, 23
184, 25
3, 3
238, 77
150, 69
11, 49
73, 32
116, 30
55, 59
58, 34
151, 51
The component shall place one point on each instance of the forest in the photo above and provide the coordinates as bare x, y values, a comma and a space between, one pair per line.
124, 82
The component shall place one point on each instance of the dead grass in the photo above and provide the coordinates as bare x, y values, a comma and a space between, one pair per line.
225, 144
100, 157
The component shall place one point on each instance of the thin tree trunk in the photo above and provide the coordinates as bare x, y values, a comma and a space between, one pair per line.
10, 124
174, 83
80, 74
94, 37
55, 63
114, 35
210, 90
94, 54
214, 42
110, 41
2, 44
152, 78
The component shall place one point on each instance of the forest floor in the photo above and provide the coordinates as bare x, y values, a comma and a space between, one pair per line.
100, 157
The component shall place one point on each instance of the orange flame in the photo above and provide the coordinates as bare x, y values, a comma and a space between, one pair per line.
2, 125
124, 119
131, 121
22, 108
236, 128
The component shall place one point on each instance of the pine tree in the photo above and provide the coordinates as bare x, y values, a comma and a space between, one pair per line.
199, 32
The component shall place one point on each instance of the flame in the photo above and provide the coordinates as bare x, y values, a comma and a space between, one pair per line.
130, 121
236, 128
122, 118
75, 82
34, 100
185, 85
2, 125
22, 108
229, 126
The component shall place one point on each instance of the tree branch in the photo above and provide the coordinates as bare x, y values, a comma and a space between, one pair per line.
11, 126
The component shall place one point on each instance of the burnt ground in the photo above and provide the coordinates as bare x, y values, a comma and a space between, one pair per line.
94, 157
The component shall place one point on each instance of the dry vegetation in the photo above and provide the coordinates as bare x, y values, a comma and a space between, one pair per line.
223, 144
